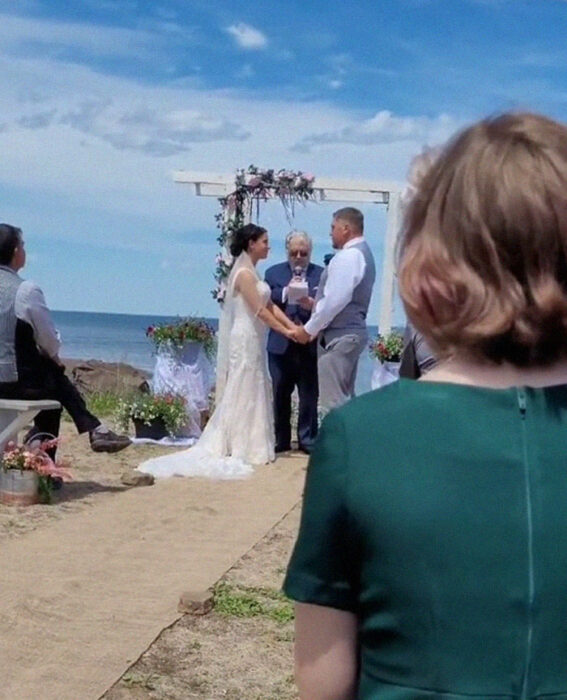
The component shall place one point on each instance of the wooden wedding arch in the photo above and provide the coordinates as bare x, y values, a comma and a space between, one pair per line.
331, 190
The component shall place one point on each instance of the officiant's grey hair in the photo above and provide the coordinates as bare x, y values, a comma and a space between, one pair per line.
292, 235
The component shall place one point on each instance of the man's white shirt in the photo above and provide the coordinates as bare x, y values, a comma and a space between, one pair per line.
345, 272
30, 306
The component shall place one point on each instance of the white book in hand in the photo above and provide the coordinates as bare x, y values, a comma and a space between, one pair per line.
296, 290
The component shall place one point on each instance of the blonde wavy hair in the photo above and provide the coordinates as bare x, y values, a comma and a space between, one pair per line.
483, 254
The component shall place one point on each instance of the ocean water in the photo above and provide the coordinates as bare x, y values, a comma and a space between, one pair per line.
122, 338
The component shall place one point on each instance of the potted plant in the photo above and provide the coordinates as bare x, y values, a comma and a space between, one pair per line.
154, 415
175, 336
27, 473
387, 351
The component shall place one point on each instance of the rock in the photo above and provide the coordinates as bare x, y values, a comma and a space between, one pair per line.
196, 602
97, 376
134, 478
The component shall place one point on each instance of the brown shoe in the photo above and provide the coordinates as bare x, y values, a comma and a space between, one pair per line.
107, 441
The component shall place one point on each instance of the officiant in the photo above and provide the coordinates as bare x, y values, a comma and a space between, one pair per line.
293, 286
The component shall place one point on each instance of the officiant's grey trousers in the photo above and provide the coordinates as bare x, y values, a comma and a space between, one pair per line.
338, 353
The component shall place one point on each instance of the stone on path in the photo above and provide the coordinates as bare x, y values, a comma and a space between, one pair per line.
196, 602
134, 478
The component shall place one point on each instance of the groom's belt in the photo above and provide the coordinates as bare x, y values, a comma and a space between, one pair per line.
331, 333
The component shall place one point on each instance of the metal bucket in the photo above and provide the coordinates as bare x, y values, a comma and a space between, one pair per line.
18, 487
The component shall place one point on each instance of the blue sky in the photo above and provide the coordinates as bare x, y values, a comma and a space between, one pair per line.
102, 100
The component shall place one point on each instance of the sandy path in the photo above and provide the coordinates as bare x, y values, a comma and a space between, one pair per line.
82, 597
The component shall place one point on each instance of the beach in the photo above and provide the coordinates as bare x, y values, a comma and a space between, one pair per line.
101, 569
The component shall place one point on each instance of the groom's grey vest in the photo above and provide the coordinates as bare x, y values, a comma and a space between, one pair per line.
9, 283
353, 316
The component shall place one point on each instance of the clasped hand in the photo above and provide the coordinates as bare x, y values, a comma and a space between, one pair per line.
300, 335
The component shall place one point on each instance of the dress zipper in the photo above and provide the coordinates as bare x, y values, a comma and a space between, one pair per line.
521, 393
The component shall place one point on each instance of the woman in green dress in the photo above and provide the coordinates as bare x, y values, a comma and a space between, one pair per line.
431, 560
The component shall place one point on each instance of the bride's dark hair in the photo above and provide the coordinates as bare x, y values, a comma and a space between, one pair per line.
242, 237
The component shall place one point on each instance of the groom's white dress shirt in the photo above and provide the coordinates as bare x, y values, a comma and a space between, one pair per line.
345, 272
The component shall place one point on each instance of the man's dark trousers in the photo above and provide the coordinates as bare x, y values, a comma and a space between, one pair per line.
296, 367
293, 365
39, 377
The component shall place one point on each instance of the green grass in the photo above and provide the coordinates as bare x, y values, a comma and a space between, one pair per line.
103, 403
251, 601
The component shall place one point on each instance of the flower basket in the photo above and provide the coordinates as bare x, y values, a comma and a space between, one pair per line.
27, 472
154, 430
19, 487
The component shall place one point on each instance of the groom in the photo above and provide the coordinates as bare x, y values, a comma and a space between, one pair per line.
291, 364
339, 316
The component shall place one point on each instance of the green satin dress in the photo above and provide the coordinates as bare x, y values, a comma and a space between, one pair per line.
437, 513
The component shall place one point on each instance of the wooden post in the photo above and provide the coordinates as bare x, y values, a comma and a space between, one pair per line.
388, 264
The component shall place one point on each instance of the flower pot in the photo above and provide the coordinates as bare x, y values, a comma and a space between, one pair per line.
18, 487
156, 429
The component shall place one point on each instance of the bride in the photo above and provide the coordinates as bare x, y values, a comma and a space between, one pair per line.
240, 432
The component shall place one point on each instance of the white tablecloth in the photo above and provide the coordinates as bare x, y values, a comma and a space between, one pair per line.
384, 373
187, 372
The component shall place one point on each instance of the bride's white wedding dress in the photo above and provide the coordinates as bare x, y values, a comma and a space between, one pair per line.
240, 433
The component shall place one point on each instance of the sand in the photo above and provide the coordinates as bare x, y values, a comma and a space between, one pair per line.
90, 581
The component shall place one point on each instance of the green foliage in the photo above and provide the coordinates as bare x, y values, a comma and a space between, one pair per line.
147, 407
249, 601
44, 489
234, 603
103, 403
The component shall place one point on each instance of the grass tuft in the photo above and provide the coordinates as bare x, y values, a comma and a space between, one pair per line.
249, 601
103, 403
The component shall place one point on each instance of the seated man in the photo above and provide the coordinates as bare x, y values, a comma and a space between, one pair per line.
30, 367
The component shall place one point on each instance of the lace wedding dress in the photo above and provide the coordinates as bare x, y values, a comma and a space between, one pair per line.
240, 433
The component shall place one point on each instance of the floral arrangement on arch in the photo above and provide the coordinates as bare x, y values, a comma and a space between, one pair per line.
34, 458
387, 348
172, 409
253, 185
190, 329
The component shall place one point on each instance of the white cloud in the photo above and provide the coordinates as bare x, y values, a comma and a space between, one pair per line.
148, 129
80, 164
247, 37
384, 128
38, 120
25, 36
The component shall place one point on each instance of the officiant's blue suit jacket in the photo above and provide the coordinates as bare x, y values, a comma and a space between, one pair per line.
278, 277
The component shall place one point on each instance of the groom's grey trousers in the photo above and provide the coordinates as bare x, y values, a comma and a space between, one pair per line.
338, 352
